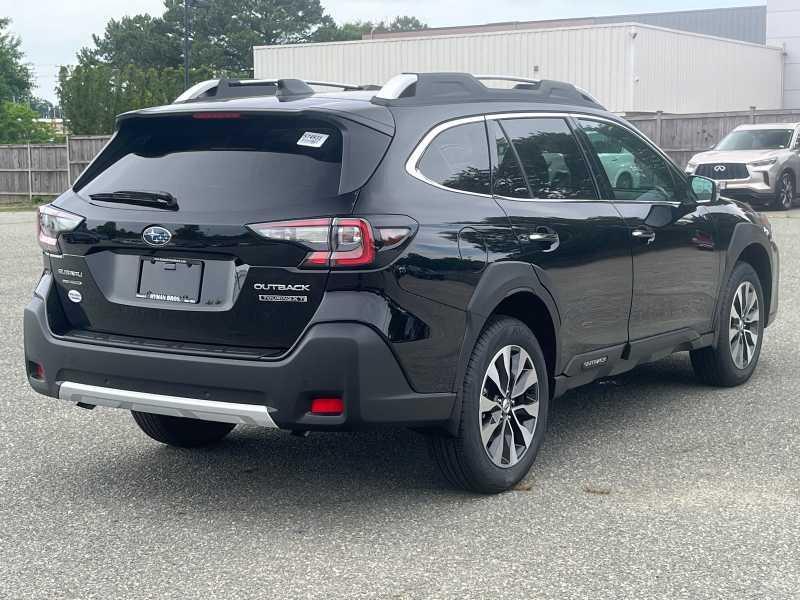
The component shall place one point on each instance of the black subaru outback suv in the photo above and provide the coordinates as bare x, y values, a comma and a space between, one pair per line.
437, 254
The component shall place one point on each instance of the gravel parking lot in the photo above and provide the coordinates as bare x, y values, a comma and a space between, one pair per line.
648, 486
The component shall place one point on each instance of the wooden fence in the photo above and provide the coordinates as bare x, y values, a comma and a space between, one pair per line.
30, 171
682, 136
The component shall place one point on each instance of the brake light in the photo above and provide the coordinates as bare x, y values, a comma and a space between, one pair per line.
353, 244
216, 115
337, 243
51, 222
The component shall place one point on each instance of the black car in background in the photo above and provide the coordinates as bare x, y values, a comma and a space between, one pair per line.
437, 254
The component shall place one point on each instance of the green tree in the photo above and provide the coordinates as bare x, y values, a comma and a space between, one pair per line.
18, 125
225, 31
141, 40
137, 62
403, 23
329, 31
92, 95
16, 78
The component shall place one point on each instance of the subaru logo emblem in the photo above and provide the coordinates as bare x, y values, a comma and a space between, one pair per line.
156, 236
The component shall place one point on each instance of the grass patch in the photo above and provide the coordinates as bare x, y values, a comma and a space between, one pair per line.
24, 206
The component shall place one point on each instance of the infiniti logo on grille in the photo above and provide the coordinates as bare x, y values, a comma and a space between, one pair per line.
720, 168
156, 235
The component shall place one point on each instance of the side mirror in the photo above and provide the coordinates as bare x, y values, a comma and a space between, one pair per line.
705, 190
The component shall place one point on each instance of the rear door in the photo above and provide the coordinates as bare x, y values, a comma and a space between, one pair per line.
171, 251
675, 266
577, 243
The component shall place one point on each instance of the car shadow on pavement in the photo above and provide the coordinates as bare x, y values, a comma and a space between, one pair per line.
269, 471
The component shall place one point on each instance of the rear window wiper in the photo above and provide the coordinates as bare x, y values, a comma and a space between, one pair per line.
163, 200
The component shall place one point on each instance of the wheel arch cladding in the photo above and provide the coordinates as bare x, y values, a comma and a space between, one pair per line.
512, 289
756, 256
531, 310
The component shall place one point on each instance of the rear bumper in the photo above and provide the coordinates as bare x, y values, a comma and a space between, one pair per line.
344, 359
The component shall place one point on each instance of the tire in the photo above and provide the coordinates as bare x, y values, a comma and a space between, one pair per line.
180, 431
731, 363
625, 181
464, 459
785, 191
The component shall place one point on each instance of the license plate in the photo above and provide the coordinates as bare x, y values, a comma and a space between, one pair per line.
170, 280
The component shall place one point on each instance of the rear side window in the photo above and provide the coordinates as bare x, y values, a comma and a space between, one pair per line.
551, 158
221, 163
458, 158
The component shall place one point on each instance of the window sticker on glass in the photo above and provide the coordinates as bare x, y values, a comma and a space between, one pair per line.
312, 140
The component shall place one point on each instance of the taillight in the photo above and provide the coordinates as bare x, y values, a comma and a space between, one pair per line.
346, 243
51, 223
353, 243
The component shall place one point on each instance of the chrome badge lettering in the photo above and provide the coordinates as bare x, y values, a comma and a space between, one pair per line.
281, 287
596, 362
70, 273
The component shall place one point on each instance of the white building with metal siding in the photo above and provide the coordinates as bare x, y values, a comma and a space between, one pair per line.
628, 67
783, 29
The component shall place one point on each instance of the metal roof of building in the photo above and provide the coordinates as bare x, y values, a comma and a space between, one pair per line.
745, 23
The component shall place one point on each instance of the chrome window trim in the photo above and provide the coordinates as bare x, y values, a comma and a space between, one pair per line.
412, 164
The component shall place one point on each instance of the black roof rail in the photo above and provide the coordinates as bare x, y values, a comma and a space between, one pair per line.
438, 88
286, 89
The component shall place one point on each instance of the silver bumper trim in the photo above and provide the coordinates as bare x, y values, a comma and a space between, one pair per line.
207, 410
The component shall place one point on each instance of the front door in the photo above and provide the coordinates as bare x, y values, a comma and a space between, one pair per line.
576, 242
675, 263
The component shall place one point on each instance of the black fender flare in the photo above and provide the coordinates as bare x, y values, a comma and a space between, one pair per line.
743, 236
499, 281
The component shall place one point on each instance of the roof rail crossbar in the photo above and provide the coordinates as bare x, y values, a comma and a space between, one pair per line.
282, 88
505, 78
434, 88
350, 87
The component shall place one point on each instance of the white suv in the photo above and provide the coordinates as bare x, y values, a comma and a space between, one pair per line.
757, 163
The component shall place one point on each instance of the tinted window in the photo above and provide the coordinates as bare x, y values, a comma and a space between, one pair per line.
551, 158
756, 139
458, 158
213, 164
635, 171
507, 177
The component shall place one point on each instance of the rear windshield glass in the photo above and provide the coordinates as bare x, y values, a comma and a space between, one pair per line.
756, 139
213, 163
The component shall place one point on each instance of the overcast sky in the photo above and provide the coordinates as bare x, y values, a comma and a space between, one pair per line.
52, 31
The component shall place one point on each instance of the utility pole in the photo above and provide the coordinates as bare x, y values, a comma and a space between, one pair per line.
186, 50
188, 6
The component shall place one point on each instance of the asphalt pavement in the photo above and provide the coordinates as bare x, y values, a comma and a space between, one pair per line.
648, 486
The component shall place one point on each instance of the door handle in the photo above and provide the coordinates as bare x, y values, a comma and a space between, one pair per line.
545, 237
644, 234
